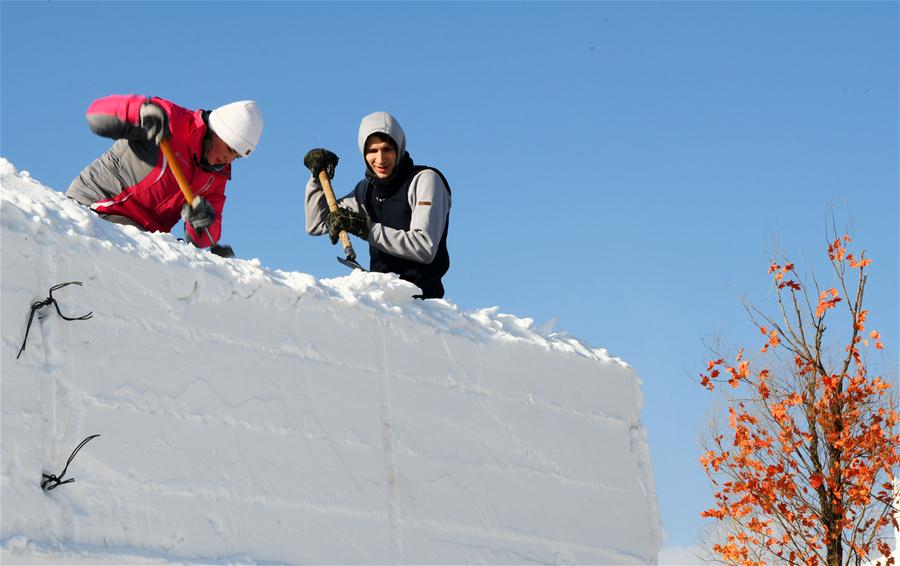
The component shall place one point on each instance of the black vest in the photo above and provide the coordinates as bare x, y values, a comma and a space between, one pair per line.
395, 212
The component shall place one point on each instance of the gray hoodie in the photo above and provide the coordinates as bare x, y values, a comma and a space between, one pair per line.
428, 199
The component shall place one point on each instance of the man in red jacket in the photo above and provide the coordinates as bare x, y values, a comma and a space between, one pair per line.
133, 184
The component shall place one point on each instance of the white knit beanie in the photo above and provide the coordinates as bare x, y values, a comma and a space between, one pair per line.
239, 124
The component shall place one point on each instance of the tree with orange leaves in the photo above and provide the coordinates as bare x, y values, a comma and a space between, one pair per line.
803, 472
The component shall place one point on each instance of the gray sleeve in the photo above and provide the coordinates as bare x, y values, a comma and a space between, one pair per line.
317, 207
112, 127
430, 204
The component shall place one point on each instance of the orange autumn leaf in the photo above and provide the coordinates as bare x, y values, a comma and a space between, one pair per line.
825, 303
875, 335
780, 271
778, 411
774, 340
861, 319
836, 250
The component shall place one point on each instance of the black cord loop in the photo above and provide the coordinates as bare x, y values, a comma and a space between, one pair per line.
54, 481
47, 302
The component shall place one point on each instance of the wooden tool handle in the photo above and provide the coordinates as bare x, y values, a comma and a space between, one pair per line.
329, 192
176, 170
186, 191
333, 206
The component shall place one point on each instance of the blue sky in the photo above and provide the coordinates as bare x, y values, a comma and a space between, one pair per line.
627, 168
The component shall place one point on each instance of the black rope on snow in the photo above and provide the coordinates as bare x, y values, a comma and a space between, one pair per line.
56, 481
47, 302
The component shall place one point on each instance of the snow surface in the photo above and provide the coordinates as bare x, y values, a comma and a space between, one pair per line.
250, 415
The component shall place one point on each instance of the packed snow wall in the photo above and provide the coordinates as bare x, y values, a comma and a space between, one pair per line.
256, 415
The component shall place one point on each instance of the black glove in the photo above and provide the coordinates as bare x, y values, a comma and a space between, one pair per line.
319, 159
154, 122
355, 223
200, 215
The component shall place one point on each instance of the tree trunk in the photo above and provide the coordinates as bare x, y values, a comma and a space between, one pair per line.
835, 556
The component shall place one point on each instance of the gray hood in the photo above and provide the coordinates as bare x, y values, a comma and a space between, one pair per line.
381, 123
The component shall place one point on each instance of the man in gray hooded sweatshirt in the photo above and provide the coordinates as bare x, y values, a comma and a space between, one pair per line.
401, 209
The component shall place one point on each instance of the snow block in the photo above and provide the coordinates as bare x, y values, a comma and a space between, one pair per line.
255, 415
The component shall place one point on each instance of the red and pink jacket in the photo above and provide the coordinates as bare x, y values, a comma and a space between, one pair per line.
133, 178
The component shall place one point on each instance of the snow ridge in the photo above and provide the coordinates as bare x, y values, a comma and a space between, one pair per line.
250, 415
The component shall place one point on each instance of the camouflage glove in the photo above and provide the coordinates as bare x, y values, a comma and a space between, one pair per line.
355, 223
154, 122
319, 159
199, 215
